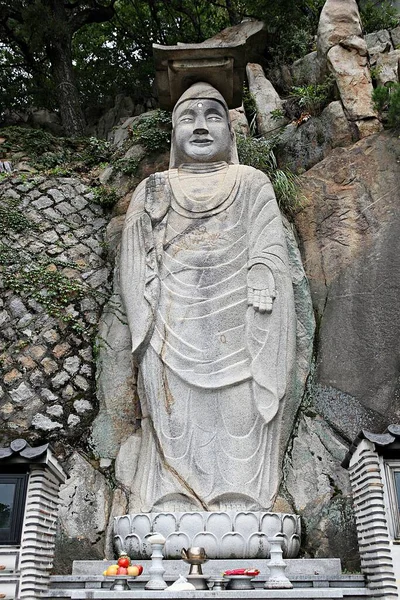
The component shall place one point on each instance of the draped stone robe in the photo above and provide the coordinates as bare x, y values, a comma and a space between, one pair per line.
213, 371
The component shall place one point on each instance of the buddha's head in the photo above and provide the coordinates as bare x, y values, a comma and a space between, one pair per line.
201, 128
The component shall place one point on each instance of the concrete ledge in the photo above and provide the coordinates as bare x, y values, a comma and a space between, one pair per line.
201, 595
295, 594
295, 566
68, 582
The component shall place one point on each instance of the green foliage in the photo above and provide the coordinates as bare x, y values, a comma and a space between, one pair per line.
127, 166
292, 25
34, 276
105, 195
297, 43
33, 142
95, 151
249, 103
277, 114
12, 218
43, 282
57, 156
153, 132
59, 171
314, 97
250, 108
4, 176
376, 16
380, 98
114, 55
259, 153
374, 71
387, 101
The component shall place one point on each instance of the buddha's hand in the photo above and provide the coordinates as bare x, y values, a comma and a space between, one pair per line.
260, 288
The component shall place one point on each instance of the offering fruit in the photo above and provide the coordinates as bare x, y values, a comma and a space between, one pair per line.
122, 571
111, 570
124, 561
135, 570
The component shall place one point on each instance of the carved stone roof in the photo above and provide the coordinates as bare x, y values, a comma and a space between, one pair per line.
219, 61
385, 439
21, 448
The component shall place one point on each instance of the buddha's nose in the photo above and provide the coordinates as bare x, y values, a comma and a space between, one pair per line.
200, 125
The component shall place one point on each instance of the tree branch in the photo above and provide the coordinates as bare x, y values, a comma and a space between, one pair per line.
96, 14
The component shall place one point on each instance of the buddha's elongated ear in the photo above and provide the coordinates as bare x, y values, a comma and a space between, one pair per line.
234, 152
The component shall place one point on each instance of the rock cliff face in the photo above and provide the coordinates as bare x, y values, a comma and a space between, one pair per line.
348, 233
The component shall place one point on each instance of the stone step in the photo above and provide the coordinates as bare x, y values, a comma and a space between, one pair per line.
351, 587
257, 594
298, 581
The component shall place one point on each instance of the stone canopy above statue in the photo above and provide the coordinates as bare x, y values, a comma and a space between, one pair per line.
219, 61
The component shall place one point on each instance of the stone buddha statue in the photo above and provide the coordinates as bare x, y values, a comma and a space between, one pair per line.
205, 283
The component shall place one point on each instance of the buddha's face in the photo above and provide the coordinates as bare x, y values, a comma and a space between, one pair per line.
202, 132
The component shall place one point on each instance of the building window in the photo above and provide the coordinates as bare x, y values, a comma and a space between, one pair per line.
12, 506
392, 468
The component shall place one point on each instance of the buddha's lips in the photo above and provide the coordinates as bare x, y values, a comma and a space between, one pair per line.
202, 141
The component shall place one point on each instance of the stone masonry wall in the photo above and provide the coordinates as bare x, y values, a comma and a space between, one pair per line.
52, 234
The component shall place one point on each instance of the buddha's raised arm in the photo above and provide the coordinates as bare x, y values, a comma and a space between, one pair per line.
138, 273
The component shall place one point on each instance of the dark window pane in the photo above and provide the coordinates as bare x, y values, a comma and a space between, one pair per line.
7, 491
12, 505
397, 484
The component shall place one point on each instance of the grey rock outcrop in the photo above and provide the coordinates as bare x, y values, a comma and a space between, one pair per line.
266, 98
349, 231
395, 36
320, 490
341, 44
307, 70
387, 67
338, 21
301, 147
378, 42
83, 515
239, 121
124, 108
45, 119
348, 61
116, 389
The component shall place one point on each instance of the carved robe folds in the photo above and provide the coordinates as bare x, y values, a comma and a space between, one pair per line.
213, 371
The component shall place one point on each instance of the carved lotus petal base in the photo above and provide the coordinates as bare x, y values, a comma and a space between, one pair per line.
224, 535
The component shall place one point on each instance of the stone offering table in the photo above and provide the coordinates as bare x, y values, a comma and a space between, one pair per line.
311, 578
